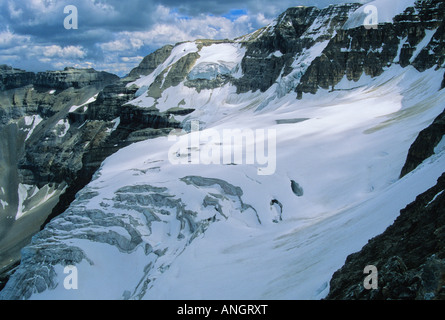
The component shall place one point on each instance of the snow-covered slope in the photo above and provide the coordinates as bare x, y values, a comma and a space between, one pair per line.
384, 11
173, 218
213, 231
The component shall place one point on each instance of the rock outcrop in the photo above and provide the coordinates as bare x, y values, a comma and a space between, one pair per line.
443, 82
424, 145
357, 51
272, 52
11, 78
151, 62
42, 151
73, 78
57, 128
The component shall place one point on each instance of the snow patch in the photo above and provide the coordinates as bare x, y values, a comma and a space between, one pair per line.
4, 204
435, 197
177, 53
84, 105
61, 128
30, 197
425, 41
116, 122
33, 122
386, 11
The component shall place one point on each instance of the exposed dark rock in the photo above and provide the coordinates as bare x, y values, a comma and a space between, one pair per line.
358, 51
147, 133
423, 147
409, 255
289, 121
11, 78
110, 100
261, 67
179, 111
173, 76
434, 53
296, 189
146, 118
66, 148
151, 62
73, 78
200, 84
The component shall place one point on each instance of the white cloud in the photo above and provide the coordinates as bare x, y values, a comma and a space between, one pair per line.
9, 39
172, 28
127, 42
13, 11
132, 59
114, 34
5, 58
262, 20
69, 52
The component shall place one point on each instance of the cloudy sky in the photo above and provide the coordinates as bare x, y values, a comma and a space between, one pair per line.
114, 35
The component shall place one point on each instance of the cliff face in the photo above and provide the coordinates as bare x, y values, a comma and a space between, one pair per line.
357, 51
11, 78
282, 48
73, 78
409, 256
425, 144
41, 150
57, 127
14, 78
151, 62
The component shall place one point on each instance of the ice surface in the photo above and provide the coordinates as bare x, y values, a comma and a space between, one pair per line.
386, 11
259, 240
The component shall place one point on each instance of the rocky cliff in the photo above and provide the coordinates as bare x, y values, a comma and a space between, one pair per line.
425, 144
57, 127
14, 78
41, 150
357, 51
11, 78
409, 256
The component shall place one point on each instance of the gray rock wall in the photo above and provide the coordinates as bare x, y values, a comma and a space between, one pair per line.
409, 256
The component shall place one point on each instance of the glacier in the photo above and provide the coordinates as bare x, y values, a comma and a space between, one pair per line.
147, 229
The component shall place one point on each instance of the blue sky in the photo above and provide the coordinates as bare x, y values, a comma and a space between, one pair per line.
114, 35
